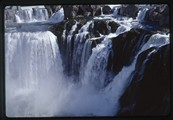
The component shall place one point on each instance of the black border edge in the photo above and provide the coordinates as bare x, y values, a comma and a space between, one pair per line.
4, 3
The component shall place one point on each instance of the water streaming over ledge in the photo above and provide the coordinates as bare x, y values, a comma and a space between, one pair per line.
36, 84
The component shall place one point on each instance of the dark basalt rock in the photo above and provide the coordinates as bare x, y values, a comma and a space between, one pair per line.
149, 90
113, 26
85, 10
125, 47
159, 15
98, 12
72, 11
107, 10
101, 27
68, 11
129, 10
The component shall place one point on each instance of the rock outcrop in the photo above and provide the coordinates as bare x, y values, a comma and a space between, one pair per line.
159, 15
149, 91
125, 47
128, 10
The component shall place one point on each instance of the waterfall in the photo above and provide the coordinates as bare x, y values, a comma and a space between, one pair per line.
95, 72
79, 42
115, 12
32, 14
141, 14
33, 71
117, 87
72, 75
69, 51
87, 50
101, 11
122, 29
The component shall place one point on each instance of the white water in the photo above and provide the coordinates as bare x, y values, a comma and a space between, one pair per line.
31, 15
87, 50
115, 12
33, 73
141, 14
79, 42
36, 85
69, 52
95, 72
57, 17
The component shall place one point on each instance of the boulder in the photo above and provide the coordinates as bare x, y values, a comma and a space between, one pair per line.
101, 26
113, 26
107, 10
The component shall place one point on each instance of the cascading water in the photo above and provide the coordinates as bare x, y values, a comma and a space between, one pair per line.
69, 46
79, 42
95, 72
141, 14
41, 70
87, 50
33, 64
122, 80
32, 14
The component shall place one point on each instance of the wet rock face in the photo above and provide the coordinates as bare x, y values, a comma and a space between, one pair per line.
128, 10
159, 15
149, 91
125, 47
